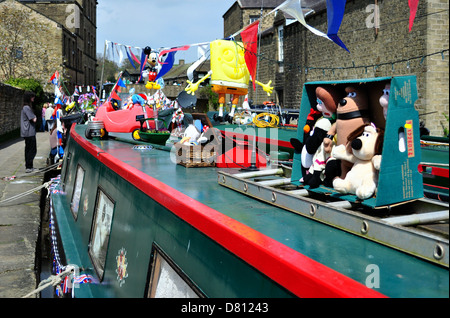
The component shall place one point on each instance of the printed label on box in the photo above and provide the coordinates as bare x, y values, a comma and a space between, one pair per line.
410, 138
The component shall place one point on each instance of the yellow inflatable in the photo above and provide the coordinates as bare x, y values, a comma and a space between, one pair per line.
229, 73
70, 106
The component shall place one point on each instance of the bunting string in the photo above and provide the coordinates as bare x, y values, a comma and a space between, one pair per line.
307, 68
335, 12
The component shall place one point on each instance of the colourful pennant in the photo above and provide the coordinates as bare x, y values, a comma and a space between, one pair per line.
134, 56
250, 39
180, 48
120, 83
294, 8
167, 65
114, 95
143, 62
54, 78
335, 14
413, 4
129, 58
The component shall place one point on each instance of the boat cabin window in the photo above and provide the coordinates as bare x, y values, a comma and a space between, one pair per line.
101, 229
76, 195
65, 169
167, 280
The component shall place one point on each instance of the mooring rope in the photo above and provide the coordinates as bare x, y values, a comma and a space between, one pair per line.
23, 194
53, 280
42, 170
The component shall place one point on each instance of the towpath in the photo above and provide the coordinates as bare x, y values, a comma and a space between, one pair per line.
20, 218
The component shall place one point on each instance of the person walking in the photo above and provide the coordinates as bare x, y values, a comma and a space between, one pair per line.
28, 130
48, 116
44, 108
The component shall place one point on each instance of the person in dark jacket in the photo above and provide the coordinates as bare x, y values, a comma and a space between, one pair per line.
28, 130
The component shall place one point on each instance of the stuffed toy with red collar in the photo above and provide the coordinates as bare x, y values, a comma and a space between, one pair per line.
352, 112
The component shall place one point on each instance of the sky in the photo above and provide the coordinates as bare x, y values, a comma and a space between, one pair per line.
164, 23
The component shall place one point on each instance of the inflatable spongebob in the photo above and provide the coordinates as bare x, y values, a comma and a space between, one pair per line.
229, 74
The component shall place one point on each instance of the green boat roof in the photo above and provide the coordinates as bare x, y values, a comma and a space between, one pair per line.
401, 275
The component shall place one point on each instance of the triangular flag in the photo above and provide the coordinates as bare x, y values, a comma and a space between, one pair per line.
134, 56
250, 39
170, 59
335, 14
167, 65
121, 83
180, 48
112, 50
413, 4
114, 95
129, 58
54, 78
294, 8
144, 58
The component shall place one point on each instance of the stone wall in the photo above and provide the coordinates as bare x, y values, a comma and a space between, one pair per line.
436, 98
11, 101
389, 51
77, 43
39, 61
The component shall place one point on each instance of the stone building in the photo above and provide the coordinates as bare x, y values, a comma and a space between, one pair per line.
245, 12
72, 38
290, 55
70, 49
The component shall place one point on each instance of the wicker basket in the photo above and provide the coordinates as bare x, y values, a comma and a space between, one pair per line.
195, 156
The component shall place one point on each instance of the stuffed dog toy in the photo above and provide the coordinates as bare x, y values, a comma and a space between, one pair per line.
366, 144
352, 112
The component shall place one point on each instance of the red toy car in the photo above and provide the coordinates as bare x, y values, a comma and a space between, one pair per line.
120, 121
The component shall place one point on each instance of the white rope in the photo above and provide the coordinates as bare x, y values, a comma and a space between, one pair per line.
42, 170
18, 196
53, 280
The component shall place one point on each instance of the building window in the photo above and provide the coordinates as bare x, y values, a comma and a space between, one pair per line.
19, 53
280, 44
253, 18
101, 229
280, 30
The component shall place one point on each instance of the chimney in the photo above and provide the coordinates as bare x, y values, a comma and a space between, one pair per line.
181, 62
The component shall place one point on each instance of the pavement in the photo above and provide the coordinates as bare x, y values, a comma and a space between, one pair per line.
20, 219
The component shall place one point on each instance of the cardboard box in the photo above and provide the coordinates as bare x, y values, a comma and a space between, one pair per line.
399, 178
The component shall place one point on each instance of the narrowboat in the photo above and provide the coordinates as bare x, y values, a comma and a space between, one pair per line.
135, 219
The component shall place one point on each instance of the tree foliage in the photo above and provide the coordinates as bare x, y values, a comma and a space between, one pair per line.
110, 69
207, 93
24, 52
29, 84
